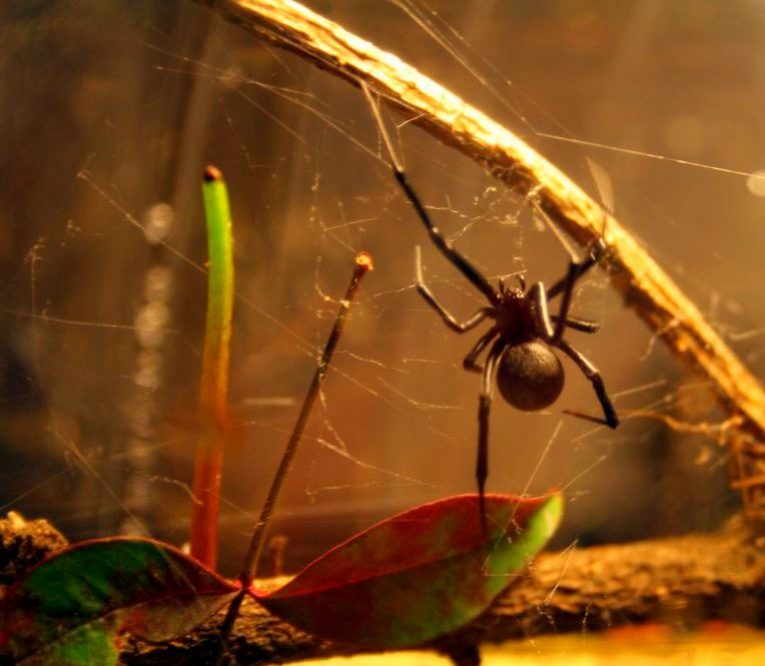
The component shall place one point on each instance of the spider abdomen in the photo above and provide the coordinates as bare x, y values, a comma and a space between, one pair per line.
530, 376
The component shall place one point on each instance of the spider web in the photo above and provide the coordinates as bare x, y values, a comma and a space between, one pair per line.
103, 260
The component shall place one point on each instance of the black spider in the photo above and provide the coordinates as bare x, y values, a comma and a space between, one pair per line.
529, 375
523, 332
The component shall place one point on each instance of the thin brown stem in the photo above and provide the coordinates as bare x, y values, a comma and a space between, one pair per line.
249, 569
646, 288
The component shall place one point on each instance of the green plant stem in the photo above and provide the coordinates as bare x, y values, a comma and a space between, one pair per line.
213, 385
249, 569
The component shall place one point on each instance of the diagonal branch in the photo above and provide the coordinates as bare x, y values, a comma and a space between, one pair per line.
646, 288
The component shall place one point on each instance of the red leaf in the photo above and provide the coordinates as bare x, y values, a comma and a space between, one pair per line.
417, 575
71, 608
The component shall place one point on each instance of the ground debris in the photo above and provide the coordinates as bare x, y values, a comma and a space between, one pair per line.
679, 581
25, 543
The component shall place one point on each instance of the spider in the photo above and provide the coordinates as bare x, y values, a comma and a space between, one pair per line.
522, 334
520, 339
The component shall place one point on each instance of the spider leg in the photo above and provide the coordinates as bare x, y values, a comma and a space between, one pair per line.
460, 262
484, 407
457, 260
577, 267
591, 372
572, 274
544, 320
459, 327
469, 362
593, 257
581, 325
538, 297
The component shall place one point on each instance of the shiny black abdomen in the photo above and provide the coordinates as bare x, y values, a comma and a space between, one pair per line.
530, 376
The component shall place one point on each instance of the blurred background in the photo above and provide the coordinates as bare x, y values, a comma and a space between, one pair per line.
111, 109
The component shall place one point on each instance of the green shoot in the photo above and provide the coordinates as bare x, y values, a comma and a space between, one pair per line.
213, 385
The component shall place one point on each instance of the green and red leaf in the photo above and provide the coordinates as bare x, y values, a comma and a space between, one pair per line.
419, 574
404, 581
72, 608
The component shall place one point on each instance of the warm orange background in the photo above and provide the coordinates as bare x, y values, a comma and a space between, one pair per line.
97, 419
